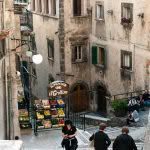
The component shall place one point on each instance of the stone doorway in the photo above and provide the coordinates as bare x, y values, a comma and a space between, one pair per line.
101, 100
79, 98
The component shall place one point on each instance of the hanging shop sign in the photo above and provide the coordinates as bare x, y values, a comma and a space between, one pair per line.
58, 88
18, 9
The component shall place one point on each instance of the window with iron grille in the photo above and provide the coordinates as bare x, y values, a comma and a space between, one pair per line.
126, 60
77, 7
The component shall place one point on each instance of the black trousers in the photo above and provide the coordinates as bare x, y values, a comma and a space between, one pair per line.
71, 144
128, 121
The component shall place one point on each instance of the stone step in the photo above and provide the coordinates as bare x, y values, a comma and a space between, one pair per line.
84, 137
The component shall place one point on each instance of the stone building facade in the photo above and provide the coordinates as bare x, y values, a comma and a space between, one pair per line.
103, 48
45, 29
121, 31
9, 30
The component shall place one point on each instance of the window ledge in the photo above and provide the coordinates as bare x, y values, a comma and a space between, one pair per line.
127, 25
46, 15
82, 16
126, 70
102, 20
78, 61
99, 65
51, 59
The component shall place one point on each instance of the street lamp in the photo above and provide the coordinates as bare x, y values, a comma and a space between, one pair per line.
37, 59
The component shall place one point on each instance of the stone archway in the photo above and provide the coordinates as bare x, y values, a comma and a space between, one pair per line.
79, 99
100, 94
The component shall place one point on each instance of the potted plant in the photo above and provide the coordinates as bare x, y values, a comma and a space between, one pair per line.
120, 107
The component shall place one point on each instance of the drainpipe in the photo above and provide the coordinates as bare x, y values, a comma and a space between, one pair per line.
134, 70
90, 64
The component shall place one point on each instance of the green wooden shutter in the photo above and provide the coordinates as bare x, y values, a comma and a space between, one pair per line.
103, 56
33, 42
73, 54
130, 61
94, 54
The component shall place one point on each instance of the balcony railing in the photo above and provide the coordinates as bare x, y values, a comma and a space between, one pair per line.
26, 19
21, 2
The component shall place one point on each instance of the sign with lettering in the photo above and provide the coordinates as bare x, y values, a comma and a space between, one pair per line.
18, 9
57, 89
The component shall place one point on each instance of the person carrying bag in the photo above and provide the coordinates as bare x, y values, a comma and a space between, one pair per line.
100, 139
69, 141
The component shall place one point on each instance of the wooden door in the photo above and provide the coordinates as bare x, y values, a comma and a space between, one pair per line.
79, 99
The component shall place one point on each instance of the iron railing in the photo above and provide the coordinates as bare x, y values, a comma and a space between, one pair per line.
27, 19
79, 118
127, 95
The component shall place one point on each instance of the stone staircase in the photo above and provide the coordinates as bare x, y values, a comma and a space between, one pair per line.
83, 137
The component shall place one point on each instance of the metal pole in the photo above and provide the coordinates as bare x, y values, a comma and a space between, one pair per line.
30, 90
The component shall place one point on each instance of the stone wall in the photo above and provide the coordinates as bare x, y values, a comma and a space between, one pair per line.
46, 29
61, 39
118, 38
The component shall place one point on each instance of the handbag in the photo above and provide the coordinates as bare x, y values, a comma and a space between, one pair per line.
91, 143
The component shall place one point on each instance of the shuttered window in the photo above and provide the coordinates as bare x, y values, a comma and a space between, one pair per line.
77, 7
33, 42
98, 55
94, 55
50, 47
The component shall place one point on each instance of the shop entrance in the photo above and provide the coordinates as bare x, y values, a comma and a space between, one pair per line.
101, 100
79, 98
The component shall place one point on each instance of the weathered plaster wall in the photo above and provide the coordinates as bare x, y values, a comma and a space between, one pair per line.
45, 27
117, 38
12, 23
75, 26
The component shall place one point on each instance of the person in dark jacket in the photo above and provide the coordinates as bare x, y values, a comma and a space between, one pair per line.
69, 140
101, 139
124, 141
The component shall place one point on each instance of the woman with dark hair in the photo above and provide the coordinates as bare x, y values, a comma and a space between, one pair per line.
69, 132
